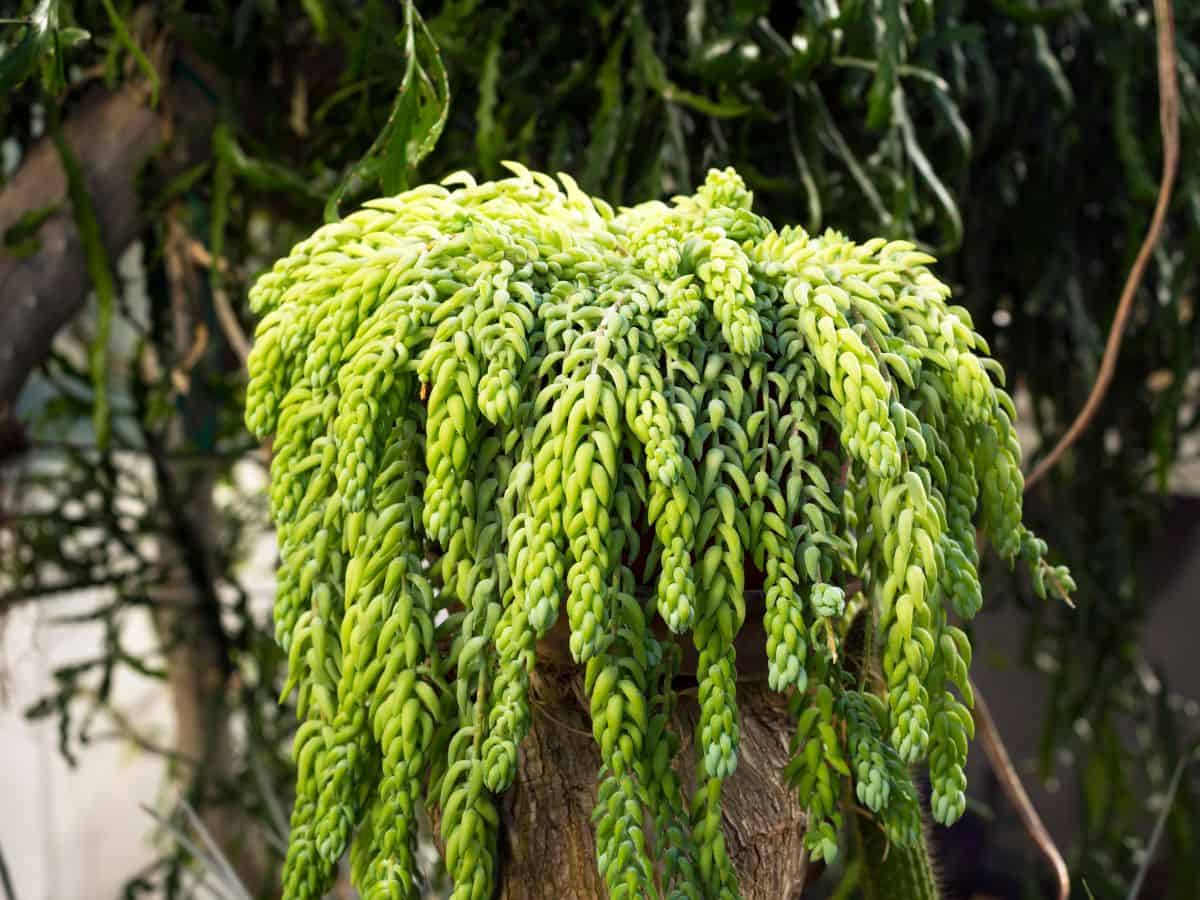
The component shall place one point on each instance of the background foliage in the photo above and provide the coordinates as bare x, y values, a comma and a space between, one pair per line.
1016, 138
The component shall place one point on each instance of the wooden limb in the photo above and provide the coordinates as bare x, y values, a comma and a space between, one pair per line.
186, 607
223, 306
1168, 114
1010, 781
112, 134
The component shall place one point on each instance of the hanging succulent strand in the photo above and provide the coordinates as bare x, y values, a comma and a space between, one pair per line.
497, 403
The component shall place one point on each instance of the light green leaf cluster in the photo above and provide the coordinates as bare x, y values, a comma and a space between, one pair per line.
492, 403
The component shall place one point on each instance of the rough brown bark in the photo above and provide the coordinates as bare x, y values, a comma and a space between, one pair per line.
548, 849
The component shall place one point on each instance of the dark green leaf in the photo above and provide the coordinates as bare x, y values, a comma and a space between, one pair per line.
315, 10
487, 134
73, 37
125, 38
890, 36
21, 60
1033, 14
260, 173
416, 121
21, 238
100, 272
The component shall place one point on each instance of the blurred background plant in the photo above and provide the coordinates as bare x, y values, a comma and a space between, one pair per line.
156, 157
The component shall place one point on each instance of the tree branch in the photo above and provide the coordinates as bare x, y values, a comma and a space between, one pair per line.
112, 133
1010, 781
1168, 114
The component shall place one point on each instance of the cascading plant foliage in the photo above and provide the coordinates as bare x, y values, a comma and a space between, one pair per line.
495, 402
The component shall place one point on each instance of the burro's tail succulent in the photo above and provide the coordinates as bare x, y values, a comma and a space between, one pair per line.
494, 404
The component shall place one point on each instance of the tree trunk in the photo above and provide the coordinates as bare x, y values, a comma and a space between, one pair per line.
187, 608
548, 848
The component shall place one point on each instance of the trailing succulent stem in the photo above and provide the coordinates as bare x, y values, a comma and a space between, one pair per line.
496, 404
894, 870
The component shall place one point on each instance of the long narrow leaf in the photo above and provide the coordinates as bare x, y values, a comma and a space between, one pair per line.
889, 27
919, 160
416, 120
278, 817
606, 123
209, 855
811, 192
5, 880
838, 143
21, 60
654, 73
100, 272
1135, 889
487, 132
215, 852
125, 38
